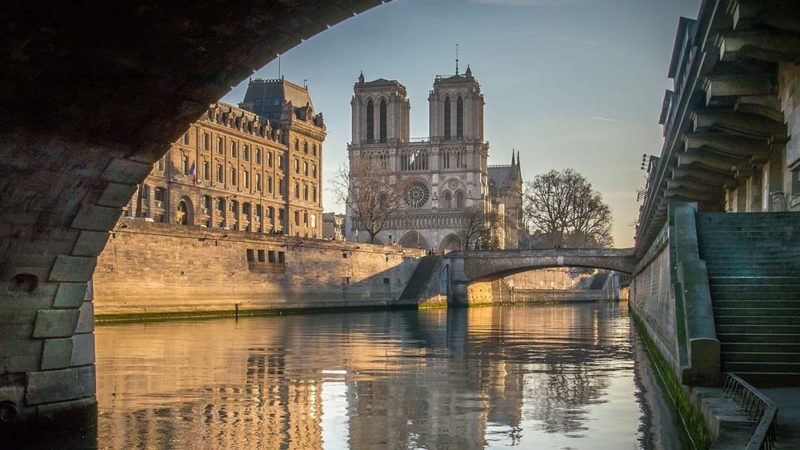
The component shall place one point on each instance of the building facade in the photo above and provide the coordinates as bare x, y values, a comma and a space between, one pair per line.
255, 168
444, 173
333, 226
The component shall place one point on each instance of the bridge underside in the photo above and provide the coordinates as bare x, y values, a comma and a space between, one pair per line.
91, 96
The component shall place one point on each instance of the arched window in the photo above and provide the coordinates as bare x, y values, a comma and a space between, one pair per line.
370, 121
448, 200
460, 199
183, 213
314, 170
459, 118
206, 170
383, 121
305, 168
269, 185
447, 118
296, 145
297, 190
305, 147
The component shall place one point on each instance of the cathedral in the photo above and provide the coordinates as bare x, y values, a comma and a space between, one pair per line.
443, 174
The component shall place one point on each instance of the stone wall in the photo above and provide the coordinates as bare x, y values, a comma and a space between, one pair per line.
163, 268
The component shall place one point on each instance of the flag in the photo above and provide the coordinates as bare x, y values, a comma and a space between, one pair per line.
193, 173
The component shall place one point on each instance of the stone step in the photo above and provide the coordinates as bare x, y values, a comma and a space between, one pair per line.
758, 293
771, 379
763, 347
756, 328
760, 366
766, 336
755, 280
756, 311
757, 320
767, 357
756, 303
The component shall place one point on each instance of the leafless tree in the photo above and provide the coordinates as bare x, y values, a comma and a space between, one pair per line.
478, 226
371, 193
562, 208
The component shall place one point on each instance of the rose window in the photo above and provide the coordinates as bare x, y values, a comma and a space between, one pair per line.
417, 195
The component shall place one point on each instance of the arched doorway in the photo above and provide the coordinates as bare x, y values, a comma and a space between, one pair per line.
184, 213
413, 239
450, 242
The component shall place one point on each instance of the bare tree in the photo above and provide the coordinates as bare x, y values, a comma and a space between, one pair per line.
562, 208
371, 193
478, 226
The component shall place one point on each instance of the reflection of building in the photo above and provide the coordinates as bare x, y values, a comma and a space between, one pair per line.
444, 173
333, 226
255, 168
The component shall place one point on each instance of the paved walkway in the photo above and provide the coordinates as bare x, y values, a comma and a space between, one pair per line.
788, 400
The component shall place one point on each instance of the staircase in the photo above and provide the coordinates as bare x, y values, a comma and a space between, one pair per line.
753, 262
420, 278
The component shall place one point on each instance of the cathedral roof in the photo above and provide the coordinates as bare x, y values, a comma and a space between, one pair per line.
500, 176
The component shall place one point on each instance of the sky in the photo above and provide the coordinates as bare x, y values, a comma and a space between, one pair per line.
569, 83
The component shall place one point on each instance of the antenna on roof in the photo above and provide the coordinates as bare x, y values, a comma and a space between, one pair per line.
456, 58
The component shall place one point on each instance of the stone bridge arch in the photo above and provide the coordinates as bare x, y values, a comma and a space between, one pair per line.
91, 98
480, 266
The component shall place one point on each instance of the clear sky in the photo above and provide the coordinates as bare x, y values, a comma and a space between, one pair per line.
569, 83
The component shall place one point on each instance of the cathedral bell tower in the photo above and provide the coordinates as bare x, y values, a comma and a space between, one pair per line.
456, 108
380, 112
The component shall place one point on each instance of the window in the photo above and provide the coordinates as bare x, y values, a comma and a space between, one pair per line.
220, 146
459, 118
447, 117
258, 156
246, 208
280, 186
145, 192
220, 174
221, 206
246, 152
233, 177
313, 221
206, 202
246, 178
297, 190
314, 149
269, 185
280, 161
206, 170
261, 256
296, 165
206, 142
382, 118
305, 147
305, 192
159, 194
314, 170
448, 200
271, 256
370, 122
314, 193
234, 150
271, 212
258, 182
296, 145
386, 280
344, 255
269, 159
281, 257
184, 164
459, 199
160, 164
186, 138
250, 257
305, 168
297, 218
281, 215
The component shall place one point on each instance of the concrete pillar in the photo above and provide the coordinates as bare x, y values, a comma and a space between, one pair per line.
754, 191
741, 197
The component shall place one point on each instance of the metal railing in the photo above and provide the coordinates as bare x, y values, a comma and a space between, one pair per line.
760, 408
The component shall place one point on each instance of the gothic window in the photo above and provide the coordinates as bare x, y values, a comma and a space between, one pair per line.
460, 199
417, 194
370, 122
383, 121
448, 200
459, 118
446, 160
447, 118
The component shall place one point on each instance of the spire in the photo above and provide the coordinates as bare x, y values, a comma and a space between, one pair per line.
456, 58
468, 72
361, 78
513, 163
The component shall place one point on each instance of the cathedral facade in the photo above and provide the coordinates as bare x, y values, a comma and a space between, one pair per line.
444, 174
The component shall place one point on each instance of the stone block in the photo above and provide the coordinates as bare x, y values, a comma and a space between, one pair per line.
86, 318
82, 349
96, 217
116, 194
90, 243
70, 295
56, 354
60, 385
126, 171
55, 323
73, 268
20, 355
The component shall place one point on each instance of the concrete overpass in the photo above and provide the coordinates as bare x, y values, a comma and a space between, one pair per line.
473, 267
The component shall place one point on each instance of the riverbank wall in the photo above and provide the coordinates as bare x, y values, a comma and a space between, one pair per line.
164, 269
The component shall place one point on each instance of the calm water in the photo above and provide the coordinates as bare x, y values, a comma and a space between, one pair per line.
530, 377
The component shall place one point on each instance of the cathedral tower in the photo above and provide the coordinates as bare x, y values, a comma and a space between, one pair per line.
456, 108
380, 112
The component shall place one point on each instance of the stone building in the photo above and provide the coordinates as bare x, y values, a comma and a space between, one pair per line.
444, 173
333, 226
255, 168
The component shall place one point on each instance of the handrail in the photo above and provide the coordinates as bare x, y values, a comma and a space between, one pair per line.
760, 408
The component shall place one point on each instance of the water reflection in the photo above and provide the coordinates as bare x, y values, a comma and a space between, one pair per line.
526, 376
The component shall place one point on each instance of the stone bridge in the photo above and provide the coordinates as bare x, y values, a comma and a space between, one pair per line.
465, 268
